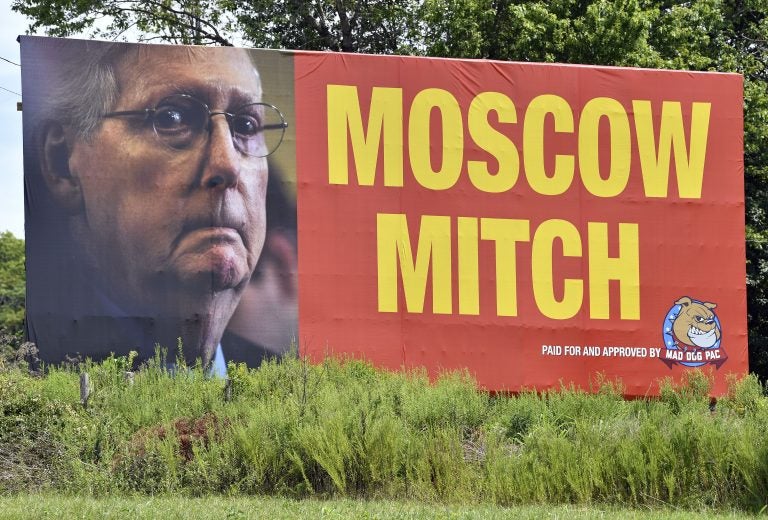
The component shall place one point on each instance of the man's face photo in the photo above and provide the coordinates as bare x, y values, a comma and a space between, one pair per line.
152, 162
188, 219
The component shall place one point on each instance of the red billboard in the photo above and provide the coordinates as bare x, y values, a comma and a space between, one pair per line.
534, 224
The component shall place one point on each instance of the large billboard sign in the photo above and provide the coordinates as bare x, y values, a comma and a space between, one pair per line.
534, 224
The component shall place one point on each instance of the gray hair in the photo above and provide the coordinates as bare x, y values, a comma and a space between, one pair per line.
85, 88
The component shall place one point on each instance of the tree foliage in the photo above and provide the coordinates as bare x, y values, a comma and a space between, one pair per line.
374, 26
723, 35
12, 284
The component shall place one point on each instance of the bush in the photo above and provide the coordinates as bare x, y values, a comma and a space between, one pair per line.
34, 413
343, 428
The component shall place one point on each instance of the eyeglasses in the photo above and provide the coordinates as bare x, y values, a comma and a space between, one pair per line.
182, 122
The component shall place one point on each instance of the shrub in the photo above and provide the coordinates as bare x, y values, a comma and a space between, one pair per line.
343, 428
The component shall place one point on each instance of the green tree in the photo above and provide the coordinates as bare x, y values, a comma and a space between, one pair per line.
12, 284
372, 26
375, 26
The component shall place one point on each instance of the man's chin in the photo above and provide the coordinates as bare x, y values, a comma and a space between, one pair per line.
218, 268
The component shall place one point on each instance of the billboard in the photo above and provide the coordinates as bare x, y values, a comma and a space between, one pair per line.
535, 224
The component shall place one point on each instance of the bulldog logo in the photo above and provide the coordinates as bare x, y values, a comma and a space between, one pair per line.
692, 334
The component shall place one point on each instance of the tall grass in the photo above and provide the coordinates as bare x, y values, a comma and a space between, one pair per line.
345, 429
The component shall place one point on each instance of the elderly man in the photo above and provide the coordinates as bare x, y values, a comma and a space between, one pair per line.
154, 160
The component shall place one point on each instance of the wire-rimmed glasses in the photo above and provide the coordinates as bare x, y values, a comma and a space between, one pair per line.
182, 122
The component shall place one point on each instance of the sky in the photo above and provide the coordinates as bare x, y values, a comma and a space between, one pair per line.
11, 169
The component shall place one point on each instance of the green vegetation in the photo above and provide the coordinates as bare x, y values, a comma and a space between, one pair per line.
46, 506
347, 430
12, 284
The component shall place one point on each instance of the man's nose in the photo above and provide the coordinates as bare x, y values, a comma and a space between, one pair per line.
223, 163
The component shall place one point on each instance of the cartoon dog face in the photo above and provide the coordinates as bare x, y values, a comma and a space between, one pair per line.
695, 325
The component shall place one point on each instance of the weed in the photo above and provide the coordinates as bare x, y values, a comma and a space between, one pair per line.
342, 428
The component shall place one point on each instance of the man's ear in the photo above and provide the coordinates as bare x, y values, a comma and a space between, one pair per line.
54, 166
